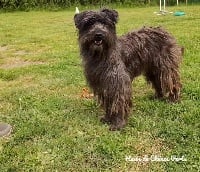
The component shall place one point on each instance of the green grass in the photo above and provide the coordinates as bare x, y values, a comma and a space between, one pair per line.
54, 129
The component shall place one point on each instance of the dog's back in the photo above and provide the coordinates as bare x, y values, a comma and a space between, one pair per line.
148, 47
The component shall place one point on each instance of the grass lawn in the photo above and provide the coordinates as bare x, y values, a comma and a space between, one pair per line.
55, 129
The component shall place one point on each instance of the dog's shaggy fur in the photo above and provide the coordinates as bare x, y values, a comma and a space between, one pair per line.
112, 63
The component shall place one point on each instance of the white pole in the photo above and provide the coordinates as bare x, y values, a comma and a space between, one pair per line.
164, 6
77, 11
177, 2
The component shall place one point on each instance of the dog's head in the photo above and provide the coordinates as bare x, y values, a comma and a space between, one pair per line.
97, 29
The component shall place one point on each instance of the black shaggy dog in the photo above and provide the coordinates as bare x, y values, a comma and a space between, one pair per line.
111, 63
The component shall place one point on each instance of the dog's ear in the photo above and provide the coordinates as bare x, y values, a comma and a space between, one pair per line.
112, 14
79, 19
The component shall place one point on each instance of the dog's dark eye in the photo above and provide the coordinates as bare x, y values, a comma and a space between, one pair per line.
87, 24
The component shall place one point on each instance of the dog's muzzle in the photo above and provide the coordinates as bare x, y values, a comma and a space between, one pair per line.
98, 38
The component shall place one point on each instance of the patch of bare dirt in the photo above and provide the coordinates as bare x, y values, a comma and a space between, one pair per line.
18, 63
3, 48
21, 53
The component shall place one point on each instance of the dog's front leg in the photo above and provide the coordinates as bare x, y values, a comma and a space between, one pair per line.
118, 100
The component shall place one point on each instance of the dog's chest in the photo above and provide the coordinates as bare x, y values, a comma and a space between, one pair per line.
98, 73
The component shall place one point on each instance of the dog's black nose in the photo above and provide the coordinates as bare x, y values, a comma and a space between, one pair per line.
98, 36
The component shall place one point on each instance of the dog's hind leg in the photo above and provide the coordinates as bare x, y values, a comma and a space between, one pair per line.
174, 92
166, 83
154, 79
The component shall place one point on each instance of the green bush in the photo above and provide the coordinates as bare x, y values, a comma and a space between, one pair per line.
30, 4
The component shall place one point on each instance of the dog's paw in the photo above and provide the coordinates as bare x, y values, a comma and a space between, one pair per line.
104, 120
116, 127
173, 99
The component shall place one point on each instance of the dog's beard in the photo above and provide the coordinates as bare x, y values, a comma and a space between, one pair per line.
94, 47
